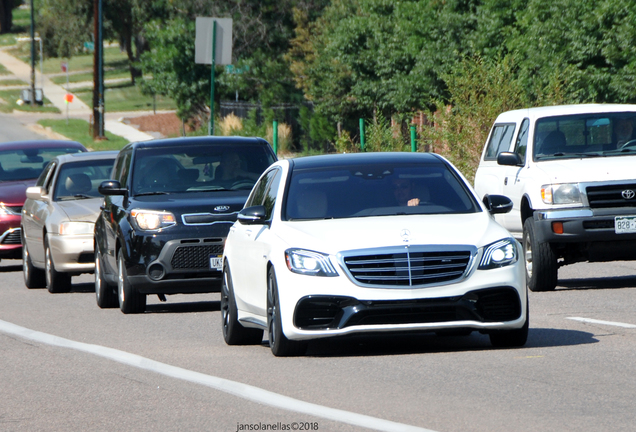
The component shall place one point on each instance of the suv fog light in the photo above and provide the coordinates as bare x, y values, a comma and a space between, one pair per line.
156, 271
557, 227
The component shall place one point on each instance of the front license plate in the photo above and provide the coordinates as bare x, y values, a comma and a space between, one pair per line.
216, 262
625, 224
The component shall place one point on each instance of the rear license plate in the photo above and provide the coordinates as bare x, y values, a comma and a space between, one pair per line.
216, 262
625, 224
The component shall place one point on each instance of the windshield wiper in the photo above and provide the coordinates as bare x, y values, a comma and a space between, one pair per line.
74, 197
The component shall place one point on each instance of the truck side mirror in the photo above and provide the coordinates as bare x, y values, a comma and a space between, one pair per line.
509, 159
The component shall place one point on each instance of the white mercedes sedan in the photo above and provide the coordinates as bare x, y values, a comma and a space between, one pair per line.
374, 242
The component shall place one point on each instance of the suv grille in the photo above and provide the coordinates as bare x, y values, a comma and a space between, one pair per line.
195, 256
408, 268
611, 195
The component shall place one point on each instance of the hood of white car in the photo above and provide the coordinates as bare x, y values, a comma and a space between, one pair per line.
336, 235
84, 210
589, 169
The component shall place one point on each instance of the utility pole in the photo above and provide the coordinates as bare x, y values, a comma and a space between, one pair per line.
98, 76
32, 98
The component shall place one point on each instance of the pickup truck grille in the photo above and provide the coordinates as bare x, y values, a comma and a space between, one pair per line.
408, 267
608, 196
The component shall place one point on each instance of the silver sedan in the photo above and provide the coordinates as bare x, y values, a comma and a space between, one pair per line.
58, 219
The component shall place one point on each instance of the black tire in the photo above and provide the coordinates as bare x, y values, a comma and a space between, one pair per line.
105, 293
541, 261
278, 342
56, 282
512, 338
130, 301
33, 277
233, 332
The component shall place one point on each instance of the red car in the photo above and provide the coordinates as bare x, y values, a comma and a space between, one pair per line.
20, 166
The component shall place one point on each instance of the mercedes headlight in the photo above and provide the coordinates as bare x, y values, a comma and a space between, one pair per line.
149, 220
309, 263
499, 254
566, 193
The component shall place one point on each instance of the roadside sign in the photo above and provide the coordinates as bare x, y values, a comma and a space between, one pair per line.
89, 46
203, 41
64, 66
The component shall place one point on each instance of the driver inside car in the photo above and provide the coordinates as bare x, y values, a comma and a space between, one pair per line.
230, 171
623, 130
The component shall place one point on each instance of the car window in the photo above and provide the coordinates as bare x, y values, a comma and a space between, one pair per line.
79, 180
122, 167
500, 140
26, 164
522, 139
376, 190
585, 135
46, 175
260, 190
198, 168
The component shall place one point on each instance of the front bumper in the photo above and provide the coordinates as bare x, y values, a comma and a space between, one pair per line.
181, 267
72, 253
486, 300
10, 240
592, 229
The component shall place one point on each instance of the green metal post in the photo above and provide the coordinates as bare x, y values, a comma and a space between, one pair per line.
362, 134
413, 139
275, 136
211, 126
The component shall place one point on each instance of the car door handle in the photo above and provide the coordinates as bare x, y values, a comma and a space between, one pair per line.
506, 181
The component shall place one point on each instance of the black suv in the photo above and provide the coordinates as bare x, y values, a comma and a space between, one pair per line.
166, 214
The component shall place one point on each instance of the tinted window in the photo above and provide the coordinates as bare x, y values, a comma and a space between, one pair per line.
198, 168
584, 135
45, 174
122, 168
25, 164
500, 140
80, 180
376, 190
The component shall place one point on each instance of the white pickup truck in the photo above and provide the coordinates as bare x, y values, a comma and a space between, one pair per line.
570, 172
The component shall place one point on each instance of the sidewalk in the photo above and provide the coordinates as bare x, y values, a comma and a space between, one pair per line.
76, 109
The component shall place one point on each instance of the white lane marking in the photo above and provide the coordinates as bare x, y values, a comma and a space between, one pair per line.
244, 391
594, 321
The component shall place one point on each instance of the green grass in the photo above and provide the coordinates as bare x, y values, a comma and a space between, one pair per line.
113, 58
79, 130
3, 70
21, 23
10, 98
88, 76
12, 82
125, 97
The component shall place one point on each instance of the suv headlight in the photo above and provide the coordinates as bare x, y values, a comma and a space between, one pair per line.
309, 263
150, 220
566, 193
76, 228
499, 254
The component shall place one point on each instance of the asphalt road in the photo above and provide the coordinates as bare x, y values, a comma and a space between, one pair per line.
66, 365
573, 375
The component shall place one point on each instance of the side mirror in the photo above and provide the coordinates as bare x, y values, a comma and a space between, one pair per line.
509, 159
35, 192
254, 215
497, 204
111, 187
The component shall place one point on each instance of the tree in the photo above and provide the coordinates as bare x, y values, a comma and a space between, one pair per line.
6, 15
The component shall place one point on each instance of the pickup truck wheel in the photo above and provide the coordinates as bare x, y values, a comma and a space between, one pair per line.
233, 332
541, 261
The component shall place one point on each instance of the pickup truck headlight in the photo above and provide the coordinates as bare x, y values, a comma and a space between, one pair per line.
76, 228
309, 263
499, 254
149, 220
566, 193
